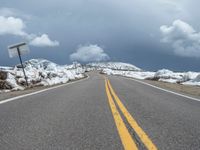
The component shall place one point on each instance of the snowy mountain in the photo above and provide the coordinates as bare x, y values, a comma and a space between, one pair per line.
114, 66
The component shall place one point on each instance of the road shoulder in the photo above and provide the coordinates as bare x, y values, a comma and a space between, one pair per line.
34, 90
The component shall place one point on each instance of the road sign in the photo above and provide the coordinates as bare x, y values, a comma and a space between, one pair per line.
23, 49
18, 50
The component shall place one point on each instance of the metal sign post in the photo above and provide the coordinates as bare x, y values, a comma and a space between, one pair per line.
18, 50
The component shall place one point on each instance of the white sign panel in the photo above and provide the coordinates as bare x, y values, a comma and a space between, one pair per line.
13, 50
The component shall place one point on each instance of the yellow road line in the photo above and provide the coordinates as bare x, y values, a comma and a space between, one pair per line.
125, 136
142, 135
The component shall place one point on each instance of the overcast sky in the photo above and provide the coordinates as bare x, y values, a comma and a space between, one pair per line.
151, 35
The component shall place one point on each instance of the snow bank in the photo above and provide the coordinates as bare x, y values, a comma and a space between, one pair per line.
177, 77
40, 72
195, 81
8, 82
164, 75
131, 74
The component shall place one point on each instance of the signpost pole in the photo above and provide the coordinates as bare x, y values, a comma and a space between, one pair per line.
22, 65
19, 49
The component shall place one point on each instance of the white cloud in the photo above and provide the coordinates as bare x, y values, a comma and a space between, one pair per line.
11, 25
184, 39
16, 26
89, 53
43, 41
7, 12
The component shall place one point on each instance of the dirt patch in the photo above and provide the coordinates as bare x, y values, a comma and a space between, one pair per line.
184, 89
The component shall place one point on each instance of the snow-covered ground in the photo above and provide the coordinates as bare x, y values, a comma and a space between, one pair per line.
40, 72
164, 75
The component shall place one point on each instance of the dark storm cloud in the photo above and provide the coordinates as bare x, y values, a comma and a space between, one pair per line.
128, 30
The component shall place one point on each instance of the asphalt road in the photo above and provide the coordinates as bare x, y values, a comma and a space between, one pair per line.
87, 115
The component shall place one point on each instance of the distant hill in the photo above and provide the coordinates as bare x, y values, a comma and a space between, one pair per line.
114, 66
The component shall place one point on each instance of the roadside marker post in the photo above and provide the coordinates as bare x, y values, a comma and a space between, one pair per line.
18, 50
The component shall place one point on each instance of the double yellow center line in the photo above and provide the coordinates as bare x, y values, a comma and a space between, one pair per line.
125, 136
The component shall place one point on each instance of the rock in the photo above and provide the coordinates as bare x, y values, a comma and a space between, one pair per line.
3, 75
35, 81
4, 85
21, 82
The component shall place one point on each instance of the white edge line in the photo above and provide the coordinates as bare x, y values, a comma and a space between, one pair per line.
37, 92
185, 96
